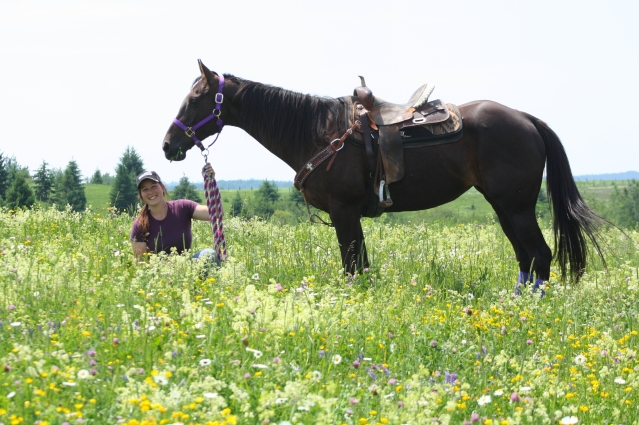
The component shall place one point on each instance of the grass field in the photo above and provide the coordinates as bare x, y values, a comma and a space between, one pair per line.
431, 334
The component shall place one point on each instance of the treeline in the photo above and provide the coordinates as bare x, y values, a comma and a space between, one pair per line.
65, 187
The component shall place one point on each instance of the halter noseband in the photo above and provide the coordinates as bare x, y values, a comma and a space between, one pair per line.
217, 111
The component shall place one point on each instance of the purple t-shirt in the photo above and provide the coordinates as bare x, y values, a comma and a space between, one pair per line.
174, 231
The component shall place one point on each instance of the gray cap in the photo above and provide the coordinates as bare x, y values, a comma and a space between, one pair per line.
150, 175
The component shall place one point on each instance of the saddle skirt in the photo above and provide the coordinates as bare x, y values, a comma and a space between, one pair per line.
431, 123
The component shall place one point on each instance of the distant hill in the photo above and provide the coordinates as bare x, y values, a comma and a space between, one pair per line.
628, 175
237, 184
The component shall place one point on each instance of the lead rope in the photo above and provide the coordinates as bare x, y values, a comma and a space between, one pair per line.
216, 211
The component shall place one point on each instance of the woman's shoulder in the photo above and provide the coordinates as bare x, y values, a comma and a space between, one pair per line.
182, 204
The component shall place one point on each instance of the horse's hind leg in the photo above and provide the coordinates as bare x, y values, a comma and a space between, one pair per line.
528, 242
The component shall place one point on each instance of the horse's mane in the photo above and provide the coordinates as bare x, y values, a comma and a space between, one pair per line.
284, 115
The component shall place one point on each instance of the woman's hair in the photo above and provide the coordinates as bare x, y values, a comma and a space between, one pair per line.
143, 217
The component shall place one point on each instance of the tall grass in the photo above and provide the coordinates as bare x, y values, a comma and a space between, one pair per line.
432, 333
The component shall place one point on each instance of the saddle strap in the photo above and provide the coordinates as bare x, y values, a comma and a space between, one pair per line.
332, 148
363, 117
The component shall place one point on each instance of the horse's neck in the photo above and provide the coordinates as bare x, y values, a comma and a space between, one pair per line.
279, 137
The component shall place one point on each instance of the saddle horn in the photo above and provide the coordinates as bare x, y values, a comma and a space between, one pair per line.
362, 81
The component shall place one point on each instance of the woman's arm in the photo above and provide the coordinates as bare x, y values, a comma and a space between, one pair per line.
139, 249
201, 213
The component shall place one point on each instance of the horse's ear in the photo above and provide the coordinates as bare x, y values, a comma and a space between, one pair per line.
206, 73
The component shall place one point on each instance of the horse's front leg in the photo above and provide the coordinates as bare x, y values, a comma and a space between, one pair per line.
350, 236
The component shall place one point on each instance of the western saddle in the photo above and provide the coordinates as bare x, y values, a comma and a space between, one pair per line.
394, 125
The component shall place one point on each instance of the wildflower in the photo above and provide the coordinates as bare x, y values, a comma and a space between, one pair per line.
485, 399
356, 364
209, 395
256, 276
433, 343
580, 359
316, 375
514, 397
337, 359
200, 336
353, 400
524, 389
83, 374
568, 420
161, 379
620, 381
498, 393
11, 394
450, 378
259, 366
69, 384
474, 417
256, 353
205, 362
16, 324
12, 307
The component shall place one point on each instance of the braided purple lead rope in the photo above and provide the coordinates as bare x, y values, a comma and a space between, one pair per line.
216, 212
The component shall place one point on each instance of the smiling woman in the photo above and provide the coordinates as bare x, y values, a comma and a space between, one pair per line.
164, 225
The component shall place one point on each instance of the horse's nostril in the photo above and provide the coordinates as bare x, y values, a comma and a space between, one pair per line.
165, 146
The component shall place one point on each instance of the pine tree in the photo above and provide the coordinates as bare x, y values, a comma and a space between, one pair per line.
4, 176
96, 178
69, 189
20, 194
265, 199
186, 190
132, 161
237, 205
43, 180
124, 193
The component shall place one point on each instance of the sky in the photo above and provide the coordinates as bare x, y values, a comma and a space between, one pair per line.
83, 80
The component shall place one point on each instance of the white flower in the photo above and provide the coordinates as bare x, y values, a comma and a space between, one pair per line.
337, 359
69, 384
256, 353
580, 359
471, 296
568, 420
160, 379
205, 362
524, 389
83, 374
485, 399
316, 375
281, 400
259, 366
209, 395
620, 381
16, 324
318, 249
11, 394
151, 328
256, 276
200, 336
498, 393
36, 294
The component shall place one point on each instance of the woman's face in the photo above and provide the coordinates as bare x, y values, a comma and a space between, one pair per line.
151, 192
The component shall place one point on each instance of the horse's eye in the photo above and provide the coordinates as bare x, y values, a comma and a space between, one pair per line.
195, 99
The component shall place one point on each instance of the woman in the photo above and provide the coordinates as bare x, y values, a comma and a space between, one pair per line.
163, 225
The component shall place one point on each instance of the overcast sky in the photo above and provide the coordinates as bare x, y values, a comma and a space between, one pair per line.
84, 79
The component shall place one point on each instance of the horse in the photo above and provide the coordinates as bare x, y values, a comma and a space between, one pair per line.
502, 153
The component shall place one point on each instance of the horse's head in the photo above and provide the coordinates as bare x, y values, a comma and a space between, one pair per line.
199, 116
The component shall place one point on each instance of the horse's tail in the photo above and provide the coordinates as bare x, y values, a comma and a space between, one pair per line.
573, 221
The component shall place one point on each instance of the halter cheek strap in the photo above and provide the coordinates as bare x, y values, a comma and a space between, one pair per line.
217, 112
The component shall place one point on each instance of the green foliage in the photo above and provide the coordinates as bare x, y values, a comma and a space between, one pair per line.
4, 176
132, 161
96, 178
237, 205
19, 195
186, 190
124, 193
69, 189
265, 199
623, 208
43, 182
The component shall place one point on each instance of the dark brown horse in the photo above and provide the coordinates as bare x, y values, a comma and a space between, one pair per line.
502, 154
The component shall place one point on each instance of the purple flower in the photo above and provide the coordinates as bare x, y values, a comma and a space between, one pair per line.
322, 353
353, 400
93, 372
474, 417
247, 375
528, 341
371, 373
392, 381
92, 362
450, 378
91, 353
356, 364
433, 343
400, 403
12, 307
514, 397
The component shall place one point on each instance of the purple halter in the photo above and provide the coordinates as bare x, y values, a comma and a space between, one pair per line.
190, 131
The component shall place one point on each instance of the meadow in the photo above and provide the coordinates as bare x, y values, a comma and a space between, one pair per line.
431, 334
